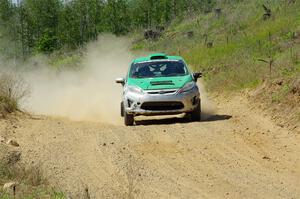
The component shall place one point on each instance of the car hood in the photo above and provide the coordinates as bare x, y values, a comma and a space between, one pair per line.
159, 83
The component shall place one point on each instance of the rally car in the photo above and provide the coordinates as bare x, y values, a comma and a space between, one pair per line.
159, 84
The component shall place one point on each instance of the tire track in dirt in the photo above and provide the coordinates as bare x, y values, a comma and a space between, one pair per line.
245, 156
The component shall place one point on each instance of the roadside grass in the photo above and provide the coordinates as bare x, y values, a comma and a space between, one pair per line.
240, 51
280, 94
240, 38
31, 183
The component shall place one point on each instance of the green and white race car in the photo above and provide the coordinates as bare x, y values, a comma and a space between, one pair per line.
159, 85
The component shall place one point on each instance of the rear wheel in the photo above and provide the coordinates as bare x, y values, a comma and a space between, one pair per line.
196, 114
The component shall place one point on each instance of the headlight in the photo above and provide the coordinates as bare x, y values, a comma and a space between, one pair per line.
187, 87
135, 89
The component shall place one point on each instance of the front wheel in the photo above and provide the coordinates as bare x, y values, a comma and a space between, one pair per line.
196, 114
122, 109
128, 119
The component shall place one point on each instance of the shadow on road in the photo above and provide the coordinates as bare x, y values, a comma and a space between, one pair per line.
178, 120
164, 121
213, 118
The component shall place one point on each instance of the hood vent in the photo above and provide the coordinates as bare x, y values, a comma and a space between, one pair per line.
157, 83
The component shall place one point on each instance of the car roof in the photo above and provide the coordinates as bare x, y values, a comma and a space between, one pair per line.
156, 57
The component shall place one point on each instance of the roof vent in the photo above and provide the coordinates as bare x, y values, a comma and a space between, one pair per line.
158, 56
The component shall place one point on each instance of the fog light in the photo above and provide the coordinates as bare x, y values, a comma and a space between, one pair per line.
129, 102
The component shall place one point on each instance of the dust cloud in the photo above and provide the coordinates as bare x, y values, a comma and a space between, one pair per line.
90, 92
207, 105
86, 94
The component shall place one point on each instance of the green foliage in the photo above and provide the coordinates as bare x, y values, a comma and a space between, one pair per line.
44, 26
61, 60
6, 10
117, 16
279, 95
240, 38
47, 43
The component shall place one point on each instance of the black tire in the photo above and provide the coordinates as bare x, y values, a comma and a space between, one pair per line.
196, 114
128, 119
122, 109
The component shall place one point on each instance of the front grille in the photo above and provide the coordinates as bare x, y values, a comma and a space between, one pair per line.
161, 92
161, 106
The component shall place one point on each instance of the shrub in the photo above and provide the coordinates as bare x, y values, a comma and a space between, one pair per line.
12, 90
31, 183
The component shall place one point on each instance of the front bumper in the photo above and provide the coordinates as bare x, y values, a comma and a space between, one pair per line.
134, 103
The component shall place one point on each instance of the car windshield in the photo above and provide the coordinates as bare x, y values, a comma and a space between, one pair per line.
158, 69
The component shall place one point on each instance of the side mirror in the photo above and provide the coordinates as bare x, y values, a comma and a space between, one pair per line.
196, 76
120, 80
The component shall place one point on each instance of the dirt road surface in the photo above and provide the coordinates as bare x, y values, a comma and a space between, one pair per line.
238, 152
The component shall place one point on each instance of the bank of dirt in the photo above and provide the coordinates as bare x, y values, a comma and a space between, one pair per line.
237, 152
